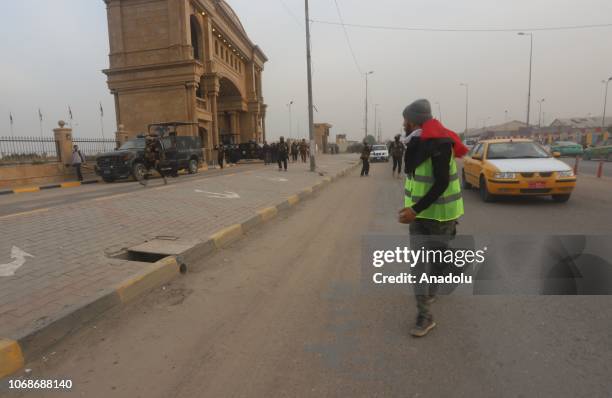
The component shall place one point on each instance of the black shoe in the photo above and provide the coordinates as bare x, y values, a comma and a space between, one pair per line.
422, 327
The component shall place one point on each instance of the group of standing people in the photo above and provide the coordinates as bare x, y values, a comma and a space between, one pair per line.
282, 152
396, 151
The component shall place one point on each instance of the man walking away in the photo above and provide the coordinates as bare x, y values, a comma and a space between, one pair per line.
283, 154
397, 152
365, 159
433, 201
77, 161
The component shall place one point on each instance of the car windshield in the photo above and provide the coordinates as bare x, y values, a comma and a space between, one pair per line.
133, 144
516, 150
380, 147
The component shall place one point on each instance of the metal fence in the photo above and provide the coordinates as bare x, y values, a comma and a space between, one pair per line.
28, 150
91, 147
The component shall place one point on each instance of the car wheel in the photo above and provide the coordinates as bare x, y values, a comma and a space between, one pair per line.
561, 198
139, 171
193, 166
108, 180
485, 195
466, 185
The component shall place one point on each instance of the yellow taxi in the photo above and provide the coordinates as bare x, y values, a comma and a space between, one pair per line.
516, 166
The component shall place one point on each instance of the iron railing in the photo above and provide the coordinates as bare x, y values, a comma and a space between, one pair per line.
91, 147
28, 150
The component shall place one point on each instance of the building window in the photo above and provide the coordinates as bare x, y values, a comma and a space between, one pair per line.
195, 38
216, 48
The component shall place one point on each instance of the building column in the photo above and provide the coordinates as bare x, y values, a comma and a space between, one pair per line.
63, 140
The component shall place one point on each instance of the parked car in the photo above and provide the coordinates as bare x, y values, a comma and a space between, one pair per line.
181, 153
516, 167
379, 153
566, 148
251, 151
601, 151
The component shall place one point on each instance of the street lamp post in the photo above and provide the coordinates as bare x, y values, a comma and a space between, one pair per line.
540, 112
290, 120
366, 102
439, 110
375, 121
310, 101
467, 97
530, 69
603, 119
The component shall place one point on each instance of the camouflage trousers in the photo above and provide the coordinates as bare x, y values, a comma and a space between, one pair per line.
429, 235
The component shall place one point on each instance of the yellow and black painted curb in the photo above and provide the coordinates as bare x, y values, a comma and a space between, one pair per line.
16, 351
69, 184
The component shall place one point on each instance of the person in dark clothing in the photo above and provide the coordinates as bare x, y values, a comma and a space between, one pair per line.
283, 154
365, 159
154, 155
274, 152
267, 153
433, 201
397, 152
220, 154
294, 151
303, 150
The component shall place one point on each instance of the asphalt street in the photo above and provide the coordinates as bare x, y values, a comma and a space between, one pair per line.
283, 313
47, 199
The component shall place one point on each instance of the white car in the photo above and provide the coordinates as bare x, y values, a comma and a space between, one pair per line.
379, 153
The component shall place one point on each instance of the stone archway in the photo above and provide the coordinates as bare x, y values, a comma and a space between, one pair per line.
231, 113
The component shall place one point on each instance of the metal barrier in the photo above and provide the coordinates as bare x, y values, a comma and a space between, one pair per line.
93, 146
28, 150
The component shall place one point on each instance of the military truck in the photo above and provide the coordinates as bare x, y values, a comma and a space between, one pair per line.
181, 153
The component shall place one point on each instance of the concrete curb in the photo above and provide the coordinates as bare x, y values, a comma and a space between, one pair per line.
16, 351
69, 184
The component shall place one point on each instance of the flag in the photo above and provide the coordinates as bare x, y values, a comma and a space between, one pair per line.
70, 112
11, 117
40, 116
101, 110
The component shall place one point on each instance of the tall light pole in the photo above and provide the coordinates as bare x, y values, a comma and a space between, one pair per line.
603, 119
366, 101
439, 110
540, 112
467, 98
375, 121
290, 120
530, 69
310, 102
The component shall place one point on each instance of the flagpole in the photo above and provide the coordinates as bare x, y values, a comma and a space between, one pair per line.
102, 119
11, 119
40, 120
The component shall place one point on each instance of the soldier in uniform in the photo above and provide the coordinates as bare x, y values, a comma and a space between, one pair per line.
397, 152
303, 150
154, 154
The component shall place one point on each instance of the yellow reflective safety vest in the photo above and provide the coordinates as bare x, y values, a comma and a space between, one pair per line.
449, 206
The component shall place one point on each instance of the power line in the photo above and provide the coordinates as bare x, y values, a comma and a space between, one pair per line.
476, 30
348, 40
291, 13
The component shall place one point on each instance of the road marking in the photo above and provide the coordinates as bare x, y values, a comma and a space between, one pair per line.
112, 197
19, 259
26, 190
275, 179
217, 195
25, 213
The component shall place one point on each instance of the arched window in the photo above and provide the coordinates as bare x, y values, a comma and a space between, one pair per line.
196, 34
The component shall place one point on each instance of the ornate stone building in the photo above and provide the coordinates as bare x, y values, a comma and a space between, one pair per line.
185, 60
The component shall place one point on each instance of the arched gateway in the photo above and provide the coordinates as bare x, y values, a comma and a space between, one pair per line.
187, 60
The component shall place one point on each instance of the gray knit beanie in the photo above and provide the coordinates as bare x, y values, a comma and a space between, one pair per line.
418, 112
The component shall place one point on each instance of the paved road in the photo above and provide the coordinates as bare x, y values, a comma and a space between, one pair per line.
281, 313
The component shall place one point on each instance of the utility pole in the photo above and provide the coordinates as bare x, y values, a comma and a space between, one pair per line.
540, 112
310, 102
603, 119
530, 68
467, 97
366, 102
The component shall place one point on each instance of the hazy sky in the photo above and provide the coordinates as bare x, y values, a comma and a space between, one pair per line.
53, 52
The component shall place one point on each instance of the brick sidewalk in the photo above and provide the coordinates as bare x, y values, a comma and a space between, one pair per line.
71, 244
